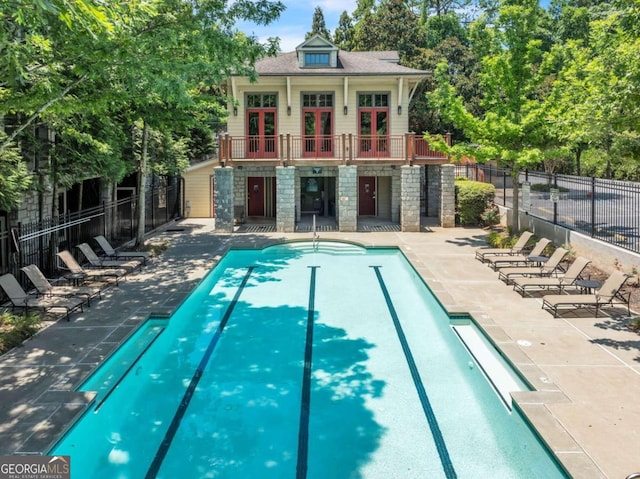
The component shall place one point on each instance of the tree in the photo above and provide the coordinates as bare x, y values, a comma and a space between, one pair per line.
462, 71
157, 65
508, 130
595, 100
393, 26
343, 35
441, 27
318, 26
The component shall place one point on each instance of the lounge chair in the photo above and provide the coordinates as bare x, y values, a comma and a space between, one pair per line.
20, 299
96, 262
97, 274
117, 255
607, 295
547, 269
45, 288
484, 253
518, 260
568, 280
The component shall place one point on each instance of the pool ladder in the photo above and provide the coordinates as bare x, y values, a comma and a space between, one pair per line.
314, 242
635, 475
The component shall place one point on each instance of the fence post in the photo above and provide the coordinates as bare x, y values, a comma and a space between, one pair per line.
555, 203
593, 206
153, 210
18, 246
504, 187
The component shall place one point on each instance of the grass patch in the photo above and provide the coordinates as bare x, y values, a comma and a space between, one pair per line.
156, 248
14, 329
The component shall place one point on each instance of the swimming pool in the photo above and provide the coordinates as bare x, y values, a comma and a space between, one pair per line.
295, 362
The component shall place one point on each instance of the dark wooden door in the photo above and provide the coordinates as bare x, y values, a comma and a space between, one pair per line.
255, 196
367, 195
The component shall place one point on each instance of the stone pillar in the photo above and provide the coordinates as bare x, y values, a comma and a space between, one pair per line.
447, 196
395, 196
285, 199
410, 198
347, 198
432, 183
223, 198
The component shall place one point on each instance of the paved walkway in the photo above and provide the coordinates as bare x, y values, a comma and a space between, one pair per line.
586, 370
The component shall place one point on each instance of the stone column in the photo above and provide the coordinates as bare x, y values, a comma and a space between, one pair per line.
347, 198
447, 196
223, 198
285, 199
410, 198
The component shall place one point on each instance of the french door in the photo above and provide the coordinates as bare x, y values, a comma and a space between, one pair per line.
373, 125
318, 132
374, 132
261, 133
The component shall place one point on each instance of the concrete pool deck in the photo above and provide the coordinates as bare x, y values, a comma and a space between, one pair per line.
586, 370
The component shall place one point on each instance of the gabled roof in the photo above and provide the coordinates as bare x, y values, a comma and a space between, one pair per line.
349, 63
316, 41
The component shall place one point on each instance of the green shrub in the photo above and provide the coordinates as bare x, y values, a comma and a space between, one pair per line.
546, 187
490, 216
473, 198
14, 329
495, 239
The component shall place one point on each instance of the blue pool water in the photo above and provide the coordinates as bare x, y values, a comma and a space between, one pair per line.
291, 362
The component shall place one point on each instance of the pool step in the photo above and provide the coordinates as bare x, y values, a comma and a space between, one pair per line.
107, 377
499, 374
324, 247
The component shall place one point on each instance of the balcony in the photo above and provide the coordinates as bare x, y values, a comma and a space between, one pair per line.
345, 149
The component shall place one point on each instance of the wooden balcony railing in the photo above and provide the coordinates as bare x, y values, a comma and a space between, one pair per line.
345, 148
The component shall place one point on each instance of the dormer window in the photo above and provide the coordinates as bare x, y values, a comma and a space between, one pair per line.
316, 52
317, 59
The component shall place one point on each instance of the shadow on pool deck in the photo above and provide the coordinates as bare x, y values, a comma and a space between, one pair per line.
585, 370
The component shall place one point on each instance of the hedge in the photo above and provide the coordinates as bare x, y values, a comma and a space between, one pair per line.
472, 199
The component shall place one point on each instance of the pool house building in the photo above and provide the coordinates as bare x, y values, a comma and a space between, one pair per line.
323, 132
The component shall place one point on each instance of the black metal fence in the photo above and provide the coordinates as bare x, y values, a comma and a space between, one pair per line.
608, 210
38, 242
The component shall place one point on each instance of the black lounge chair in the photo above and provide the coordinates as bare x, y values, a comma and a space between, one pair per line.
518, 260
111, 253
77, 271
607, 295
484, 253
568, 280
21, 300
45, 288
552, 266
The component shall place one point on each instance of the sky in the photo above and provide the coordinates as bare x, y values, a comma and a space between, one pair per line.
296, 21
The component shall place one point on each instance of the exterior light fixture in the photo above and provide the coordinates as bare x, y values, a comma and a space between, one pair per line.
345, 109
289, 110
399, 109
235, 111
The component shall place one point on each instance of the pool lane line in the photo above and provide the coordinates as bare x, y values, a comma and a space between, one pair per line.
153, 470
447, 465
303, 431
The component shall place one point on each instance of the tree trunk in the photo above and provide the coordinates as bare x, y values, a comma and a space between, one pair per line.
142, 180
